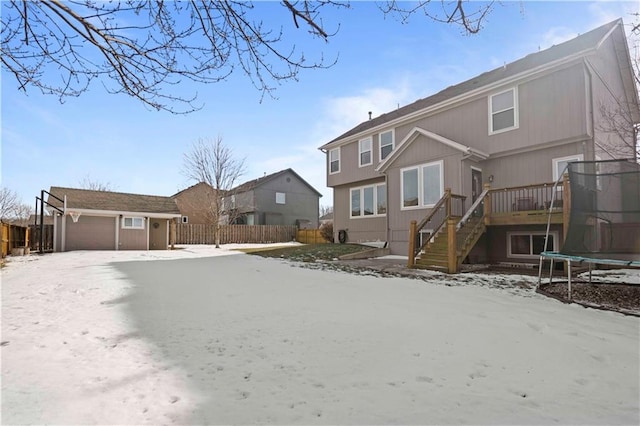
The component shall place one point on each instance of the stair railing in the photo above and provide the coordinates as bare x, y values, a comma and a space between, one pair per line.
435, 221
479, 203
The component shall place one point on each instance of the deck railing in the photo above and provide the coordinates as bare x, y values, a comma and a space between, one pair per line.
526, 198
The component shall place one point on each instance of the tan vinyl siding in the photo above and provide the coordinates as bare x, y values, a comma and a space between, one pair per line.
550, 108
528, 168
349, 164
90, 233
363, 229
132, 239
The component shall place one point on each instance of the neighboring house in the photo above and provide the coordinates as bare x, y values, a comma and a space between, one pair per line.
326, 218
194, 203
281, 198
513, 128
110, 220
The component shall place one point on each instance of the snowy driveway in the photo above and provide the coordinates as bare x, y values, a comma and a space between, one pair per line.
242, 339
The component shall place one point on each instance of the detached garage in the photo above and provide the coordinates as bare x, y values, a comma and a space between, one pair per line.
104, 220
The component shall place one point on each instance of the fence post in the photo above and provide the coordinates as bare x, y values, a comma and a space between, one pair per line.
452, 258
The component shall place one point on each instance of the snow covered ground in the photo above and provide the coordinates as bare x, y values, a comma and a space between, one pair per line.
203, 336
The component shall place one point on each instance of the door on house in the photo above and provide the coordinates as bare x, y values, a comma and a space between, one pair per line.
476, 190
158, 231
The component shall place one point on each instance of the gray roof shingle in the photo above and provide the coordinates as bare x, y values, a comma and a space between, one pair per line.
112, 201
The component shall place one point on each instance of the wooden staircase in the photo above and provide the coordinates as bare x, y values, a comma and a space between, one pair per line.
452, 242
435, 254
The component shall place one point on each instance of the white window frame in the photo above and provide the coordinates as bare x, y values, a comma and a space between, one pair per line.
361, 151
420, 169
515, 108
184, 219
393, 143
361, 189
134, 219
331, 151
281, 198
530, 234
568, 159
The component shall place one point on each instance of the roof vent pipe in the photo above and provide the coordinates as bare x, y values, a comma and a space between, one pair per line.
370, 115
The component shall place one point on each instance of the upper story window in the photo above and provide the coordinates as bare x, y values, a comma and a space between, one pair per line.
422, 186
184, 219
369, 201
281, 198
365, 152
334, 161
560, 165
503, 111
133, 223
386, 144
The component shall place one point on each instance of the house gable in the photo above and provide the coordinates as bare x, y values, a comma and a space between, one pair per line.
415, 133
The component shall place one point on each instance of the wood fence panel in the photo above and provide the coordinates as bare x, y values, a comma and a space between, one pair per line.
187, 233
5, 239
310, 236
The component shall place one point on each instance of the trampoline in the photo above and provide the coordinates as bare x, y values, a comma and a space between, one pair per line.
604, 220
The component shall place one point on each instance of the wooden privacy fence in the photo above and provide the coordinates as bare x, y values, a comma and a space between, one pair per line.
188, 233
14, 237
310, 236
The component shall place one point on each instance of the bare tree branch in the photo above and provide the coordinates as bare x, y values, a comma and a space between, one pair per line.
9, 204
212, 162
94, 185
146, 48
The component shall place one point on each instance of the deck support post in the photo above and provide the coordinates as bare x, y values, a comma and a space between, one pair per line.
452, 258
412, 244
487, 204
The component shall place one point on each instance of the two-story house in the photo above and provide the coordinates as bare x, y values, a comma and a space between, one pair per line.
281, 198
504, 136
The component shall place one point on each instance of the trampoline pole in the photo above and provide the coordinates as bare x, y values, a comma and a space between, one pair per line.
569, 278
551, 271
539, 273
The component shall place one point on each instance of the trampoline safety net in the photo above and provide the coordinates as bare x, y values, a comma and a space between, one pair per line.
605, 210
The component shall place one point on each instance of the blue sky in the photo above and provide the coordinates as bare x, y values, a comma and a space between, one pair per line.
381, 64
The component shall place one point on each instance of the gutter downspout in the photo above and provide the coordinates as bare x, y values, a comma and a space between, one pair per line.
147, 221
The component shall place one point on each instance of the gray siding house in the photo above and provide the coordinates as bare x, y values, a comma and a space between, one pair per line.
110, 220
504, 135
281, 198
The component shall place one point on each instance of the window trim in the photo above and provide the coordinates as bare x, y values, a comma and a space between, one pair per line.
337, 160
360, 151
133, 220
516, 121
283, 197
511, 255
361, 189
393, 144
420, 168
555, 172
